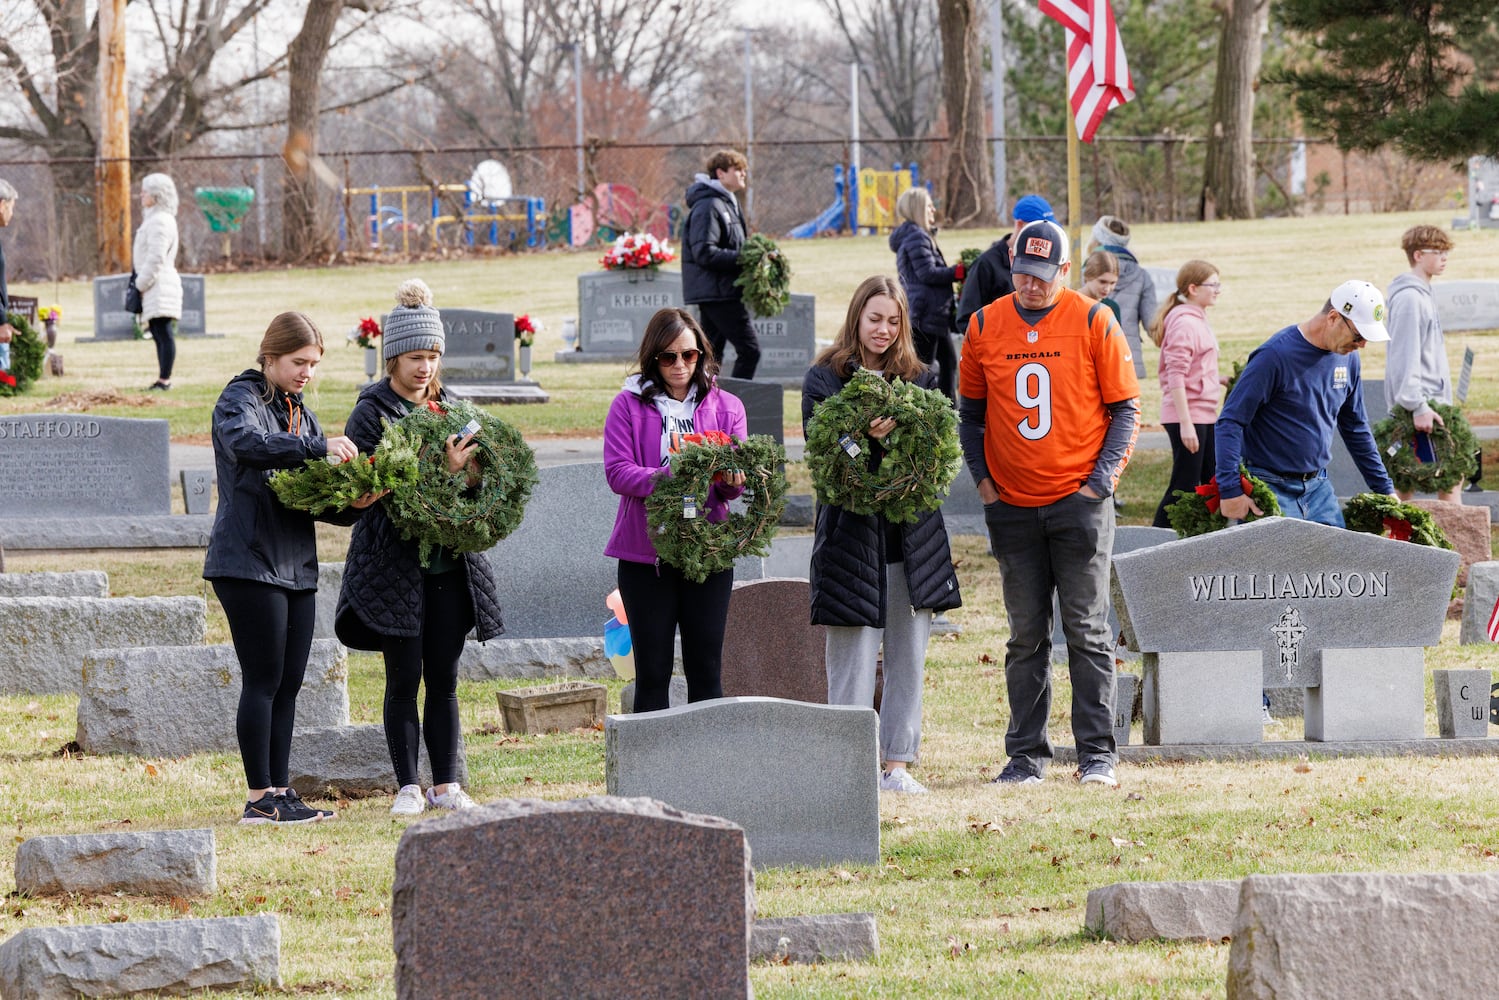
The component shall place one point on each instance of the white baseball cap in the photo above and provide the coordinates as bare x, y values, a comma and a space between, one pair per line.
1361, 304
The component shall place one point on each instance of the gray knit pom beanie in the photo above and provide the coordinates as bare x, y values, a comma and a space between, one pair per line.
413, 325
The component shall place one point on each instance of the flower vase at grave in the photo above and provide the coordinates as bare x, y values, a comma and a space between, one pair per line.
633, 275
525, 360
51, 332
369, 363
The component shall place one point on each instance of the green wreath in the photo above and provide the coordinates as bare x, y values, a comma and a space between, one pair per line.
27, 352
1378, 514
318, 487
1196, 512
438, 509
764, 275
695, 545
921, 456
1453, 445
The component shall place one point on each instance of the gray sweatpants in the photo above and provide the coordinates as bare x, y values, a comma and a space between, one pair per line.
851, 653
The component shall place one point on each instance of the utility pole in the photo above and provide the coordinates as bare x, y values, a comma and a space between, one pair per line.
997, 91
749, 125
112, 162
577, 48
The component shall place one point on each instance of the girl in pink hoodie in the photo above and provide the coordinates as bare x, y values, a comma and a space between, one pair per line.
1190, 384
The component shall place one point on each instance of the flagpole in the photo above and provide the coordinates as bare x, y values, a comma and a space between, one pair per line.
1074, 200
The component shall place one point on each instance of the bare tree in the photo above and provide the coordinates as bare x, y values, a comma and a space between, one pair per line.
896, 46
969, 179
1229, 171
300, 231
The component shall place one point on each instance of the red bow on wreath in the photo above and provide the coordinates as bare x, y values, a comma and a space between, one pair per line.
1398, 529
1209, 490
435, 406
7, 378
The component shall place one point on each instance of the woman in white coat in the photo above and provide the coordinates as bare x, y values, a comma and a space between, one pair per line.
155, 259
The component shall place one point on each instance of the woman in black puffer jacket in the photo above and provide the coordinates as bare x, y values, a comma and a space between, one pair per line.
874, 582
928, 282
262, 557
416, 616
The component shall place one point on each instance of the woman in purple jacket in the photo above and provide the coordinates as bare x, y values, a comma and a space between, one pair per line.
671, 393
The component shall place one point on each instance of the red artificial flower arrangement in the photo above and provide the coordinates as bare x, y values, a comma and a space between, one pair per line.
366, 333
634, 251
526, 330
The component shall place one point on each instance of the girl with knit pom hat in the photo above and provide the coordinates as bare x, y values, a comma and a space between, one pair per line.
416, 616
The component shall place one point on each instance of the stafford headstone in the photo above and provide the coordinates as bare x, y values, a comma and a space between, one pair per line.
568, 893
714, 757
1282, 591
1364, 934
1467, 305
78, 465
764, 405
788, 342
112, 322
1347, 481
614, 308
769, 648
197, 490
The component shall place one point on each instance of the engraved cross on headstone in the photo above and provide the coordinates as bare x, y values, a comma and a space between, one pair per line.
1288, 631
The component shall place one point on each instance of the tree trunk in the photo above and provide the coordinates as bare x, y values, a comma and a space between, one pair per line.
303, 232
969, 181
1228, 175
112, 174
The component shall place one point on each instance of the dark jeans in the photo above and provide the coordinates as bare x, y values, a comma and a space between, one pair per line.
729, 322
163, 335
447, 617
1188, 470
939, 346
272, 632
659, 600
1062, 547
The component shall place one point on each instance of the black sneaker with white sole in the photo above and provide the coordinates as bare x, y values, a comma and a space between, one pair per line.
278, 809
1016, 774
294, 805
1098, 771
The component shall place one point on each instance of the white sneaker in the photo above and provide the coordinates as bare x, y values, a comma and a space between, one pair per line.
409, 801
1265, 718
898, 779
454, 798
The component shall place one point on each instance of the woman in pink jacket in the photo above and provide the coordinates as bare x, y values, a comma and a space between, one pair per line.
1190, 386
671, 393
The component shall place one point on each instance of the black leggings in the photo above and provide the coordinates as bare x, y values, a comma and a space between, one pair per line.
163, 330
939, 346
272, 631
447, 617
658, 602
1189, 470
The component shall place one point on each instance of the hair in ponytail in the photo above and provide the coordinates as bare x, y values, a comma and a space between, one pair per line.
1193, 272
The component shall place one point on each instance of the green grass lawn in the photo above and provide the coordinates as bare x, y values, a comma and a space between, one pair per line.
979, 892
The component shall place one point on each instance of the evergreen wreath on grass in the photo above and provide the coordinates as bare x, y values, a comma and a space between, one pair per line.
438, 509
27, 353
695, 545
1453, 444
921, 455
1378, 514
764, 276
318, 486
1196, 513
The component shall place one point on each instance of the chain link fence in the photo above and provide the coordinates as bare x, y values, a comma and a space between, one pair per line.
414, 202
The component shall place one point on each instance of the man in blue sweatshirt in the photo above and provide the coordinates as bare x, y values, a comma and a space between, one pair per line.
1296, 389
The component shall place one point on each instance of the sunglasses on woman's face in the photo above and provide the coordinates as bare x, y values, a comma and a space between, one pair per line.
667, 359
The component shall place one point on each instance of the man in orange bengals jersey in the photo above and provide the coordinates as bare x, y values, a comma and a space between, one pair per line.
1048, 410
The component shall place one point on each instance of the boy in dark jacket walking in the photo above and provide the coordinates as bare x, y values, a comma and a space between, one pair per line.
710, 259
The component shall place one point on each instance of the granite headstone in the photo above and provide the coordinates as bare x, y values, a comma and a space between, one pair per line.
1127, 538
479, 347
48, 638
764, 405
769, 648
1467, 305
112, 322
614, 308
148, 863
592, 897
1347, 481
80, 465
788, 342
197, 490
821, 809
1132, 912
1480, 601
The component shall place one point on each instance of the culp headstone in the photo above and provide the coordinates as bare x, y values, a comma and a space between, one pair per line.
79, 465
1467, 305
712, 756
597, 897
1282, 591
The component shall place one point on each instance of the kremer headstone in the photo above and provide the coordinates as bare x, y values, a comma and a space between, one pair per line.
713, 757
788, 342
590, 897
79, 465
615, 306
112, 322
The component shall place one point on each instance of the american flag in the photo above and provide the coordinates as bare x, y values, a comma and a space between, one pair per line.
1494, 623
1097, 73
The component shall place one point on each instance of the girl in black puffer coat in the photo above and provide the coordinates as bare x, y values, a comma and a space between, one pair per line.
262, 557
928, 282
874, 582
417, 616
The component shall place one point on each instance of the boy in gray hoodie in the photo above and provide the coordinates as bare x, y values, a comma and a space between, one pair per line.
1416, 369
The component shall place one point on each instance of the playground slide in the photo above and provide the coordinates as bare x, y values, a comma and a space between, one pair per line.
831, 220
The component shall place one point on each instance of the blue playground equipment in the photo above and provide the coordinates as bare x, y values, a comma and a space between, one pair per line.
871, 207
